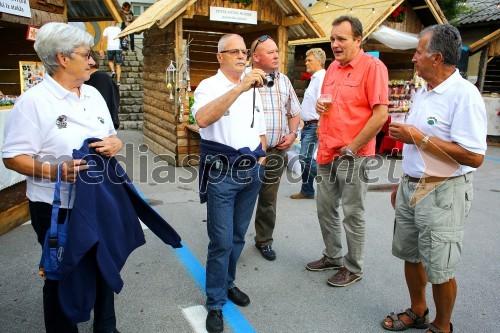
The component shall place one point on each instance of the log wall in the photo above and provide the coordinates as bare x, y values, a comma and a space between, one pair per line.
15, 48
160, 124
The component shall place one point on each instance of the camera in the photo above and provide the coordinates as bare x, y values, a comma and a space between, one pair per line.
269, 80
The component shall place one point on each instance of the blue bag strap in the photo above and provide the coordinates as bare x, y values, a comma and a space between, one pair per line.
56, 204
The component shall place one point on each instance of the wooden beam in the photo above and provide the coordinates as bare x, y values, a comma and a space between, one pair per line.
114, 11
292, 21
14, 209
432, 6
483, 41
421, 7
283, 47
482, 70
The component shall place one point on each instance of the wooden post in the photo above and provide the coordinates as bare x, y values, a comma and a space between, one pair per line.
482, 69
283, 47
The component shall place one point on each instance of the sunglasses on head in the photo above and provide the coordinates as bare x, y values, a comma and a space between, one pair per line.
261, 39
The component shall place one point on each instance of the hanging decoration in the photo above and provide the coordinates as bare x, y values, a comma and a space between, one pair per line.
245, 3
354, 8
187, 72
398, 15
170, 79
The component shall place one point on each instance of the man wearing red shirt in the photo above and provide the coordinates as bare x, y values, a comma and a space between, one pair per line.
358, 84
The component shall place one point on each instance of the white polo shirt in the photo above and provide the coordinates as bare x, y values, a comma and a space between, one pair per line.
110, 33
233, 129
311, 96
47, 122
454, 111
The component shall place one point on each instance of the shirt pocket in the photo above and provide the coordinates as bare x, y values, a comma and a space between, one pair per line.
351, 92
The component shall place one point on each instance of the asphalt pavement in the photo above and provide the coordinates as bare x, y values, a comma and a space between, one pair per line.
162, 284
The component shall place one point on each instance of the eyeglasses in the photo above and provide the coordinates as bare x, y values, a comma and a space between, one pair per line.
85, 55
235, 52
261, 39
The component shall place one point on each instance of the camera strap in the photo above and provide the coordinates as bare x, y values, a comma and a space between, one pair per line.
253, 107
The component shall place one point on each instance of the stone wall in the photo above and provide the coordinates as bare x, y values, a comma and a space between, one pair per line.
131, 92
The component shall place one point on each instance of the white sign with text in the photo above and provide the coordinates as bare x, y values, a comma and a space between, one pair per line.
232, 15
16, 7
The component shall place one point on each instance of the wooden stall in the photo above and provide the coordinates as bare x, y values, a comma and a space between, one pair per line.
184, 35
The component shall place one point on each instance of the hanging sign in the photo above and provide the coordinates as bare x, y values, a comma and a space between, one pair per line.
232, 15
16, 7
31, 32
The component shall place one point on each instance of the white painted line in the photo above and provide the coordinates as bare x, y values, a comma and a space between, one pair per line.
196, 316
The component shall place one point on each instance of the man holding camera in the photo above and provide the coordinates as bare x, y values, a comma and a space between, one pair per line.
232, 127
281, 110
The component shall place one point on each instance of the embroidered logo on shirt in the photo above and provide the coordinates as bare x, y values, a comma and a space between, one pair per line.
432, 120
101, 120
61, 122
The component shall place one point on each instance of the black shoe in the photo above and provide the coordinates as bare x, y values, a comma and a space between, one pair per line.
214, 323
267, 252
238, 297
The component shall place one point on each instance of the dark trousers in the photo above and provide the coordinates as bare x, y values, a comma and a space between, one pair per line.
55, 320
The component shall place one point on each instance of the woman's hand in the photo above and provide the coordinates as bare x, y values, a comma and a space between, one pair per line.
108, 147
70, 170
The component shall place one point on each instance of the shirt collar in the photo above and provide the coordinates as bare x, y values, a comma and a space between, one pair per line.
224, 80
59, 91
443, 86
318, 73
354, 62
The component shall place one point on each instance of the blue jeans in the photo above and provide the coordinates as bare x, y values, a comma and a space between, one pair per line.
308, 142
231, 199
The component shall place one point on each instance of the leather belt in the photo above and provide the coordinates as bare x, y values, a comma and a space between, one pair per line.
430, 179
315, 121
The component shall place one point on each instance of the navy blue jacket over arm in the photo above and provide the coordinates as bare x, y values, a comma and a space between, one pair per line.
103, 231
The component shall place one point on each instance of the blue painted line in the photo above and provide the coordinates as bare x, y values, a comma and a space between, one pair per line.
233, 316
492, 159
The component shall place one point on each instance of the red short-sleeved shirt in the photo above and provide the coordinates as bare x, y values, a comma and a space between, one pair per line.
356, 88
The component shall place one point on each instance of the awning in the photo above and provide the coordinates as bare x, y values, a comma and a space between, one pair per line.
94, 10
162, 13
395, 39
300, 23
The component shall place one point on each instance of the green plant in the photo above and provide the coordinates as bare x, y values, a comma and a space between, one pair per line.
453, 8
243, 2
191, 118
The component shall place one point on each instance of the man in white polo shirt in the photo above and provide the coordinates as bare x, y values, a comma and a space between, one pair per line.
315, 65
228, 109
113, 50
445, 140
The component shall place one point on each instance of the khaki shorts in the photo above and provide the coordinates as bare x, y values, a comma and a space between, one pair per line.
431, 231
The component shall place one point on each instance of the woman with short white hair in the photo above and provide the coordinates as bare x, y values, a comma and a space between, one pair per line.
46, 123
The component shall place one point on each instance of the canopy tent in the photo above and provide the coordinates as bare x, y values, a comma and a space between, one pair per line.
395, 39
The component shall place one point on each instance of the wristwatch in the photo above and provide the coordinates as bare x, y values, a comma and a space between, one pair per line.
349, 152
423, 143
296, 132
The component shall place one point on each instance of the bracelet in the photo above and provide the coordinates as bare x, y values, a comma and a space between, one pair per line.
296, 132
349, 152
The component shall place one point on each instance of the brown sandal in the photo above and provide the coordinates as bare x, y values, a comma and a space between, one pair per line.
434, 329
399, 325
